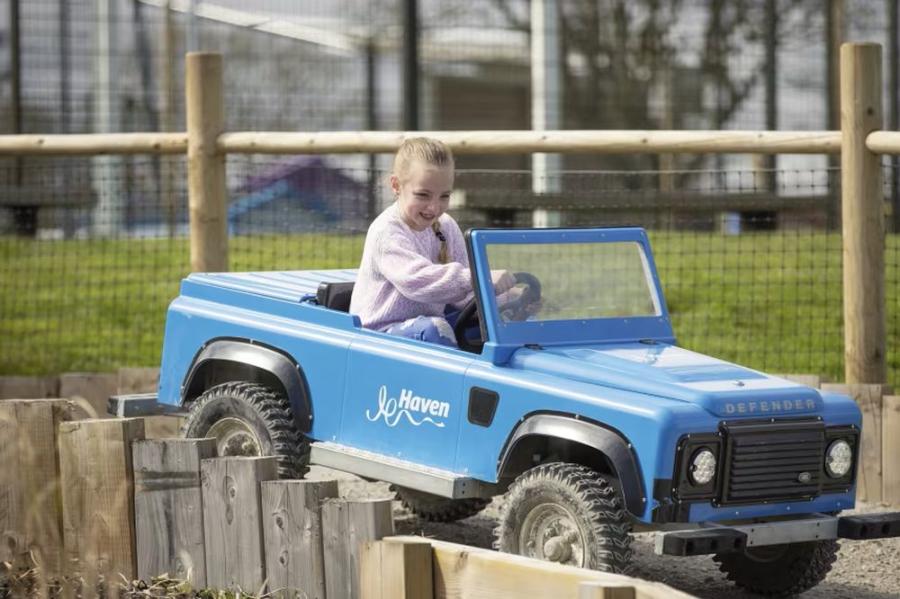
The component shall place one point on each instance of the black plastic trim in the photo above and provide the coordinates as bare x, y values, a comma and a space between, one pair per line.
607, 441
869, 526
703, 542
688, 446
257, 356
482, 406
845, 483
765, 426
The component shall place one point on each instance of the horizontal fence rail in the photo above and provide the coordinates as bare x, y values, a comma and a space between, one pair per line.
461, 142
507, 142
884, 142
93, 144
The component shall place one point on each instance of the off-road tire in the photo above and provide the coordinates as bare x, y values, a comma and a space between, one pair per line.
435, 508
264, 412
779, 570
590, 500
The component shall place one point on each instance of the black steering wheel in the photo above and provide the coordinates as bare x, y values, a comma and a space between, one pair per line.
517, 309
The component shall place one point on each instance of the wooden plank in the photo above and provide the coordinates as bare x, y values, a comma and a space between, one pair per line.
29, 387
396, 570
233, 521
346, 525
30, 505
98, 495
292, 531
163, 426
93, 389
370, 570
137, 380
467, 572
891, 450
168, 508
599, 590
869, 399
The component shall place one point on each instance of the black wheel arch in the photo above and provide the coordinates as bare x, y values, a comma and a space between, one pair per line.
228, 359
563, 437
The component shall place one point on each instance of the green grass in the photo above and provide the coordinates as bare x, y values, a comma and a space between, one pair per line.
767, 300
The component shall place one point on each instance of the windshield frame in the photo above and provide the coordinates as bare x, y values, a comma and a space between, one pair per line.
574, 331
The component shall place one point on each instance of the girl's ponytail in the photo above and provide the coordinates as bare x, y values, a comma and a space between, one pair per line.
443, 254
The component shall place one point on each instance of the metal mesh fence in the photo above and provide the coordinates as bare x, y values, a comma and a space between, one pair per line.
750, 269
88, 289
302, 65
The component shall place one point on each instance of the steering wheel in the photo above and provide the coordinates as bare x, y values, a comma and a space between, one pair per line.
516, 309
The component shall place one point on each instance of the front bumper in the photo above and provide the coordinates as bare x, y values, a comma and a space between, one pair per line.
724, 539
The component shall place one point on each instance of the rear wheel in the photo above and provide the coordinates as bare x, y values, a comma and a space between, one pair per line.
779, 570
435, 508
569, 514
249, 419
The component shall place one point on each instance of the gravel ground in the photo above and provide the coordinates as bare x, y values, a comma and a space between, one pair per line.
864, 570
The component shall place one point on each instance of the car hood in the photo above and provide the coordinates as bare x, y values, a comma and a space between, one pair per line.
720, 387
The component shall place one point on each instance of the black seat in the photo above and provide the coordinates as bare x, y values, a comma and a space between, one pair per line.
335, 295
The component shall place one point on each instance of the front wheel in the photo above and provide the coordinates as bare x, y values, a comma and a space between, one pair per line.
248, 419
568, 514
779, 570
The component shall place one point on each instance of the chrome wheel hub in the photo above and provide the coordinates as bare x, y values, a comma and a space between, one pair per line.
550, 532
234, 437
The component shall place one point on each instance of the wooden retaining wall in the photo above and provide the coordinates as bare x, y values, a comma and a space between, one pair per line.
84, 497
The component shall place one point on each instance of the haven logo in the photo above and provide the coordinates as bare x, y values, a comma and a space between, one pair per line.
416, 409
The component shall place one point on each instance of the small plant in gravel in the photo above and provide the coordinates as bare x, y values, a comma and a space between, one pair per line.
23, 580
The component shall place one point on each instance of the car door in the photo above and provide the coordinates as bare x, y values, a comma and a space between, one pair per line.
403, 398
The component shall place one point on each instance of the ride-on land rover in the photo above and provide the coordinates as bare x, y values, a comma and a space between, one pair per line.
574, 401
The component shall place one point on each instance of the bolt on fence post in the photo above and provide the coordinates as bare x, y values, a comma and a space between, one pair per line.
206, 165
862, 216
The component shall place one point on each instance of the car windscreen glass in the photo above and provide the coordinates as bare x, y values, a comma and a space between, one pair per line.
575, 281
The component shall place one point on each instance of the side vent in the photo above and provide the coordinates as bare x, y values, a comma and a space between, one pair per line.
482, 406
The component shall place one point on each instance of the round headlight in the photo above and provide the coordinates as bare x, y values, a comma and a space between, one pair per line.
838, 459
703, 467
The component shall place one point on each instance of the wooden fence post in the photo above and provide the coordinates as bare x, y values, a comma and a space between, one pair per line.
207, 188
862, 214
98, 495
891, 450
347, 525
292, 530
168, 508
232, 521
869, 472
396, 569
30, 507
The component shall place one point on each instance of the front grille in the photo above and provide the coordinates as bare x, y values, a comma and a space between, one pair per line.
773, 461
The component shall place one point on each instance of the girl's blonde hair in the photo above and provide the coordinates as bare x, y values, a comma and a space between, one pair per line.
430, 151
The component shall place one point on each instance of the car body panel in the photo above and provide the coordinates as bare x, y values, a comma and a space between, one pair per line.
409, 400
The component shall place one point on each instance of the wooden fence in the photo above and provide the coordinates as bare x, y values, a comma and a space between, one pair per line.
93, 497
859, 142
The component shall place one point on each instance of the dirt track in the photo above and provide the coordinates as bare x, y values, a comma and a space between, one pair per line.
869, 570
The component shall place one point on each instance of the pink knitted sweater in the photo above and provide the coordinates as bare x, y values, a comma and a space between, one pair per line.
400, 277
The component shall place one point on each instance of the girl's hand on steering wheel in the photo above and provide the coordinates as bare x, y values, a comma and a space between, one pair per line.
503, 281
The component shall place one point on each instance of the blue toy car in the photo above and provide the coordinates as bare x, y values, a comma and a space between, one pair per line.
574, 401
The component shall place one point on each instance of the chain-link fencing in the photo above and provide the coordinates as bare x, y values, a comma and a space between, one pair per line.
750, 267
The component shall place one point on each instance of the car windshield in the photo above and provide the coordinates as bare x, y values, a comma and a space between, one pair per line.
572, 281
